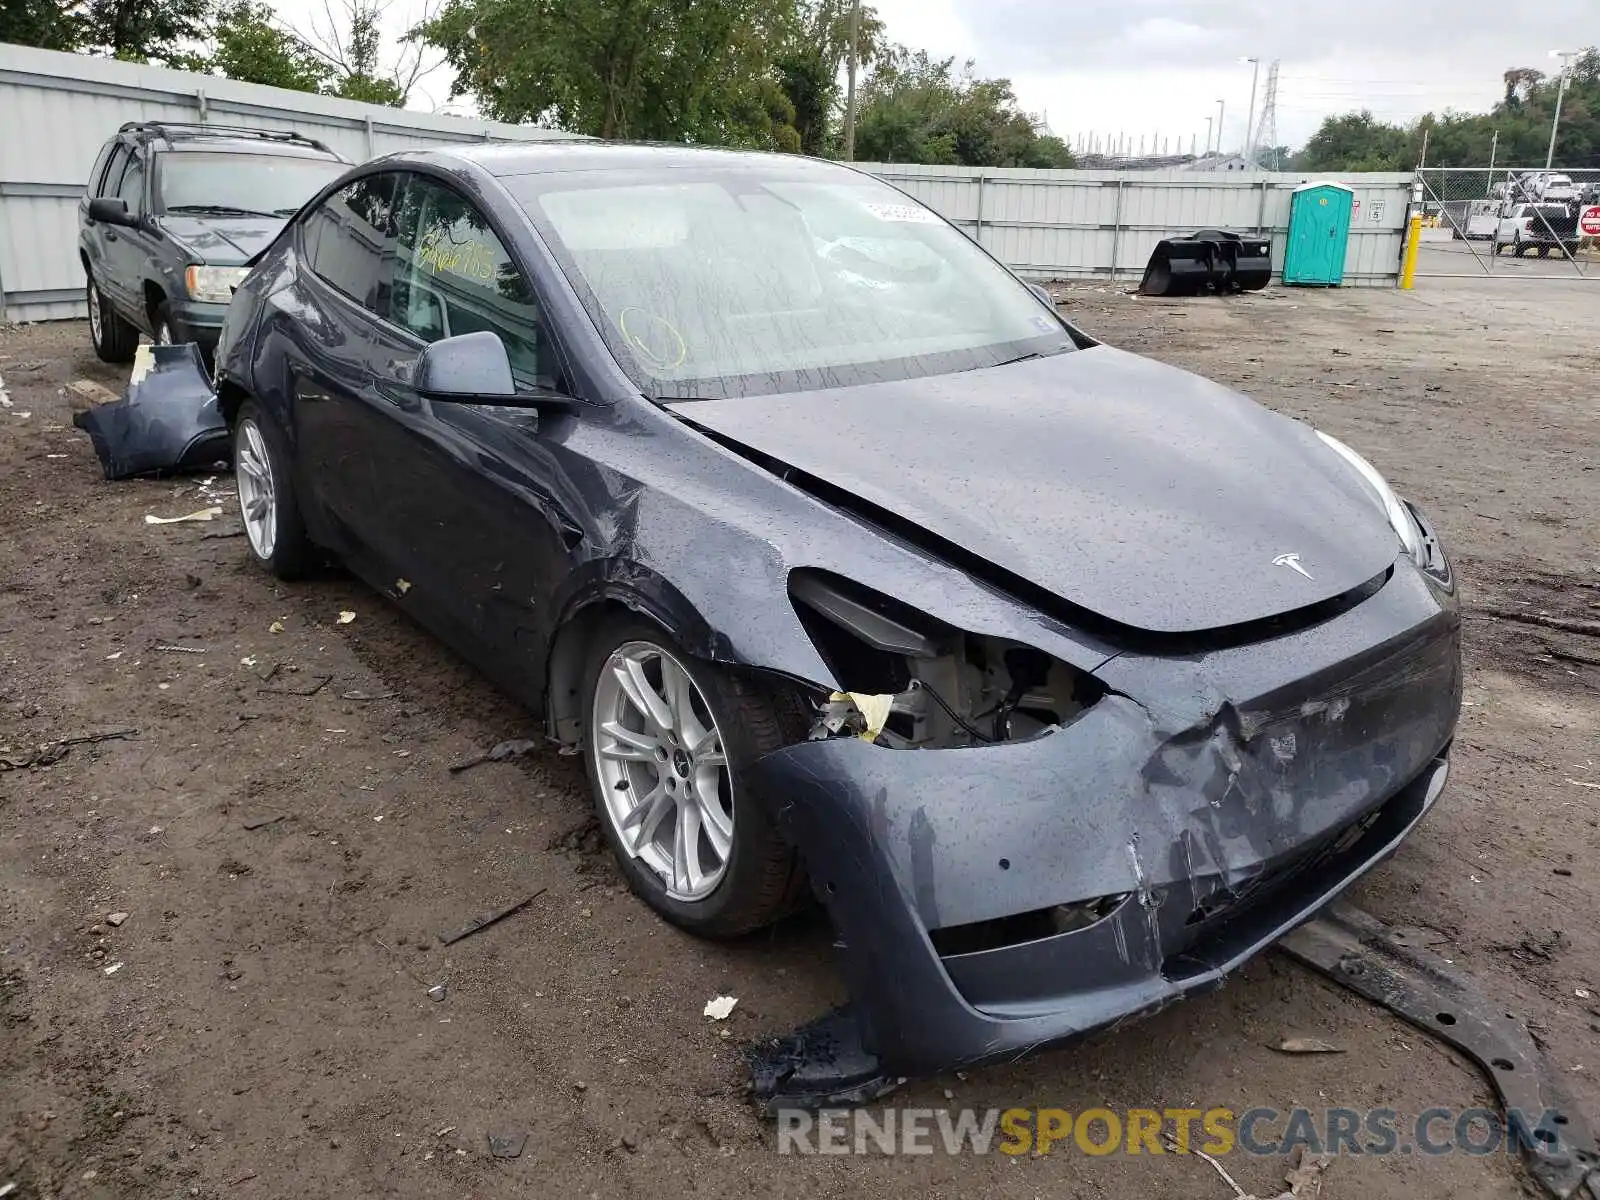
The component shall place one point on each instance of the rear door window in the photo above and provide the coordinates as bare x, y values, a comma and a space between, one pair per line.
98, 171
106, 185
131, 188
453, 275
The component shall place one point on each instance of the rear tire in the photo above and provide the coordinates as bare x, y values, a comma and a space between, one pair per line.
114, 339
263, 472
760, 876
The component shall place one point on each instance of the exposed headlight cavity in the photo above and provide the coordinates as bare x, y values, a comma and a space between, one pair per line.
1400, 518
913, 682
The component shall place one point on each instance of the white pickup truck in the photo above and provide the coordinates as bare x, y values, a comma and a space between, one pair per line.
1541, 227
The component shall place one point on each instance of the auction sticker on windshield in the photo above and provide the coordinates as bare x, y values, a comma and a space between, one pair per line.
902, 212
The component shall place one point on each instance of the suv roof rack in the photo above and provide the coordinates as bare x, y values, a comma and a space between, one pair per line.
172, 130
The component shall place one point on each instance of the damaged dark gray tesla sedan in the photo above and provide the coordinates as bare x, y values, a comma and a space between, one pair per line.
1065, 680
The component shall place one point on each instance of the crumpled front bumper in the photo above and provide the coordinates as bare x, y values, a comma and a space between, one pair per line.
1219, 800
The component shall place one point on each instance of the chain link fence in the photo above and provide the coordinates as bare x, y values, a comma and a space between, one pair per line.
1510, 222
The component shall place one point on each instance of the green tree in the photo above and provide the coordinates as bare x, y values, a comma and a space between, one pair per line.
921, 110
161, 31
249, 46
814, 55
354, 60
1356, 142
1518, 127
47, 24
677, 70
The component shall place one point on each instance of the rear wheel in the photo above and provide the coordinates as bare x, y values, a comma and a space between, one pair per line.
272, 522
114, 339
668, 741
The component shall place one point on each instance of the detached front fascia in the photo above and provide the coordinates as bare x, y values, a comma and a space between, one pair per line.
1202, 808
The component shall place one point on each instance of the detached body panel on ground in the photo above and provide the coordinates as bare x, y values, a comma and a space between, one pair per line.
1106, 676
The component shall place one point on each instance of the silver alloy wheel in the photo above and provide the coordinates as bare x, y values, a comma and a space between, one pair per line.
258, 499
94, 312
660, 762
163, 334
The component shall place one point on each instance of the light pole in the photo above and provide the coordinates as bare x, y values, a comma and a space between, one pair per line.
1250, 117
1209, 120
1219, 128
1566, 57
850, 85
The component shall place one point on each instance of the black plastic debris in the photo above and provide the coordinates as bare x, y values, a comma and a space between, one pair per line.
821, 1065
167, 421
1393, 968
1208, 261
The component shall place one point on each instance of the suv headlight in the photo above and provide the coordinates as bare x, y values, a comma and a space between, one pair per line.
1400, 519
213, 284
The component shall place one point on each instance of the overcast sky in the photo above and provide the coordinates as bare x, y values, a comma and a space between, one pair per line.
1148, 66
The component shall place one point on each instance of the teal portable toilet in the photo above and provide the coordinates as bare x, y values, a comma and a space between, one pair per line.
1319, 234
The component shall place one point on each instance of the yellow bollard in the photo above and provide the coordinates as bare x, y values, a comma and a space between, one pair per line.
1408, 266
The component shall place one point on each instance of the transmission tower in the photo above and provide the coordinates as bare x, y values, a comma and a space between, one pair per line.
1266, 137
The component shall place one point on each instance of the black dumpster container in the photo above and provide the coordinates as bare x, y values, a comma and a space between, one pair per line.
1209, 260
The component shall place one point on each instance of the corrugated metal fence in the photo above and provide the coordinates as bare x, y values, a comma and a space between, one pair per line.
1104, 224
56, 110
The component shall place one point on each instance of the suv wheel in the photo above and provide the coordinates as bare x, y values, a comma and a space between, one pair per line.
114, 339
162, 324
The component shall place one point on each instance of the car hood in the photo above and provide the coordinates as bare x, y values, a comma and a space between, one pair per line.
1149, 496
224, 241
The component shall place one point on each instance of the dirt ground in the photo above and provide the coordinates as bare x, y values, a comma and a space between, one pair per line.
269, 1031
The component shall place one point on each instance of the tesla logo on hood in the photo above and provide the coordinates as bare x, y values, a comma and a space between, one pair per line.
1292, 561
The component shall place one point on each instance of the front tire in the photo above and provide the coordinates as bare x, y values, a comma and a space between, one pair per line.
667, 742
114, 339
272, 523
161, 322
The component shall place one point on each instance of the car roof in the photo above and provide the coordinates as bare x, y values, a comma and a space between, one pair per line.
507, 159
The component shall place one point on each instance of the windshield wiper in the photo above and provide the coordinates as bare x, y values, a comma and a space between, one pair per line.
221, 210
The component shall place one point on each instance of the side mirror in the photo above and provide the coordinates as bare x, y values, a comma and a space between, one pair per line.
111, 210
473, 368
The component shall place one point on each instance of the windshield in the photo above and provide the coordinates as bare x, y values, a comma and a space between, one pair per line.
740, 282
268, 185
